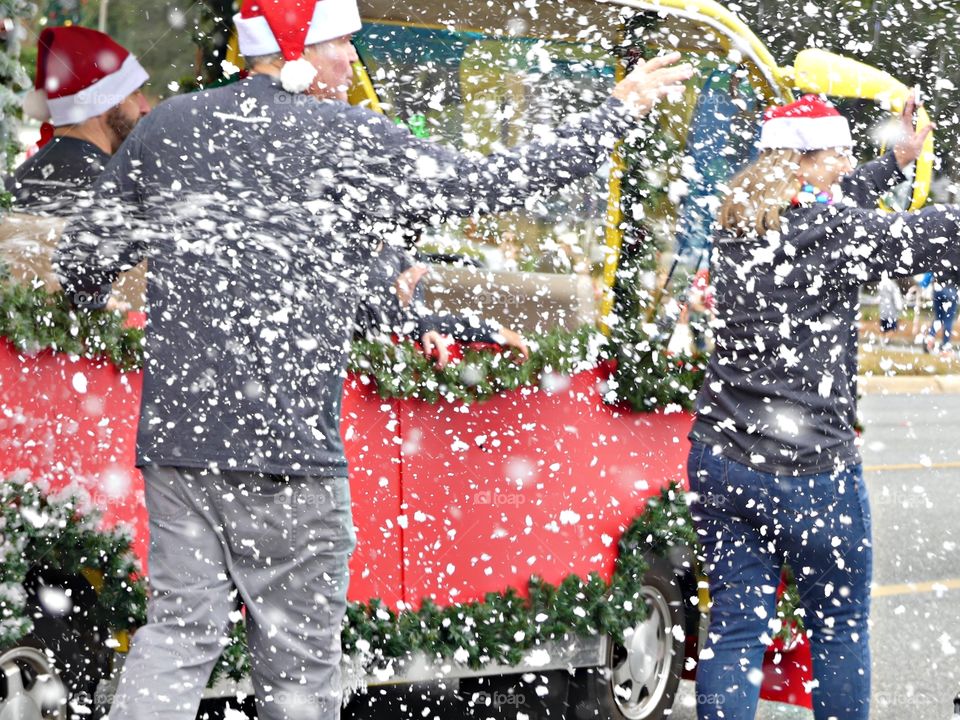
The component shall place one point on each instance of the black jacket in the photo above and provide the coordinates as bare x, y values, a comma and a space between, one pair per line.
57, 177
780, 393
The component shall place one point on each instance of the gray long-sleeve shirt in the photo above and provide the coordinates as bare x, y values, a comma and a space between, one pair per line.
258, 211
780, 391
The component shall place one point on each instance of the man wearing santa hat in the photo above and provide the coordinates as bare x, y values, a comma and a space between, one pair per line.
87, 93
260, 205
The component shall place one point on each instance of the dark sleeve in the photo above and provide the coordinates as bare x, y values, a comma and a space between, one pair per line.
378, 311
459, 327
867, 242
367, 320
99, 242
869, 182
399, 174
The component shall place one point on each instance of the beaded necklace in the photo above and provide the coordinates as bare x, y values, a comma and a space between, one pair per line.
811, 195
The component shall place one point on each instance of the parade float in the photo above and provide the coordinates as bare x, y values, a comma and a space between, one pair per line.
511, 517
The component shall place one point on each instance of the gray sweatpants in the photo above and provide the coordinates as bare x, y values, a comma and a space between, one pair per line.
282, 545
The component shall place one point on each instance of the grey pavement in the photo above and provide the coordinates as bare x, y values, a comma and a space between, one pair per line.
916, 634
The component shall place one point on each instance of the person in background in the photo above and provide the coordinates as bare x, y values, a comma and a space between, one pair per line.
944, 283
915, 299
393, 304
775, 463
700, 310
891, 306
87, 92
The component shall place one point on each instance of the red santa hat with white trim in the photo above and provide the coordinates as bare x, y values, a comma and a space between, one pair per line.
265, 27
81, 73
806, 125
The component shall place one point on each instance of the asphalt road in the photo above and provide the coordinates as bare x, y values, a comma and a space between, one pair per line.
912, 462
912, 457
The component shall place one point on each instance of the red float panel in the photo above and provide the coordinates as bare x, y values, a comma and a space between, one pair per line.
535, 482
70, 422
450, 501
371, 434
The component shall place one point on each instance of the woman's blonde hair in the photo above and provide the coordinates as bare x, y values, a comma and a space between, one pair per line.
758, 193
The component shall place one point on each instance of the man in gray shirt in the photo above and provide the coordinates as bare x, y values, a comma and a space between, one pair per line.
259, 205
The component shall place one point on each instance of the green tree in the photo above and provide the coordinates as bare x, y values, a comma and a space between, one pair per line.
12, 76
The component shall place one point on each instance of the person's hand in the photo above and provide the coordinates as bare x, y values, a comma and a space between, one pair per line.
515, 340
652, 80
406, 284
910, 143
436, 345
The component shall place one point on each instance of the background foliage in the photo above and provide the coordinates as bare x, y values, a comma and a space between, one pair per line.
12, 78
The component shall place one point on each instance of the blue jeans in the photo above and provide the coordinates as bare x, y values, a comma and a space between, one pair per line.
750, 523
944, 312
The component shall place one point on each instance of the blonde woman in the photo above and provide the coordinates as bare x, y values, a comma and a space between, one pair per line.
775, 464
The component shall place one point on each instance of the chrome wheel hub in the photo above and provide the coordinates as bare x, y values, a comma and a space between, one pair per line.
30, 688
640, 667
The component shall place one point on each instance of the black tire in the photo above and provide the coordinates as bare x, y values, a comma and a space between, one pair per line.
216, 709
640, 678
63, 645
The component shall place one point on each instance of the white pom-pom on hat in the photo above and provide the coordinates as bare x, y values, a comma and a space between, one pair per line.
35, 105
297, 76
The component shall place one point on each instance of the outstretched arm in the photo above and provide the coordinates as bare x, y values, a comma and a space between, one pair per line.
395, 174
871, 181
870, 242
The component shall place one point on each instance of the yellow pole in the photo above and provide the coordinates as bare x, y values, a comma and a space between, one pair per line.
362, 90
613, 236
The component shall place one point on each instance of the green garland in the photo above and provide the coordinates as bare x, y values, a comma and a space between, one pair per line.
646, 377
34, 320
402, 371
40, 531
789, 611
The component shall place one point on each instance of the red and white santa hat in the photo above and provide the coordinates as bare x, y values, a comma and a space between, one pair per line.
265, 27
81, 73
807, 124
